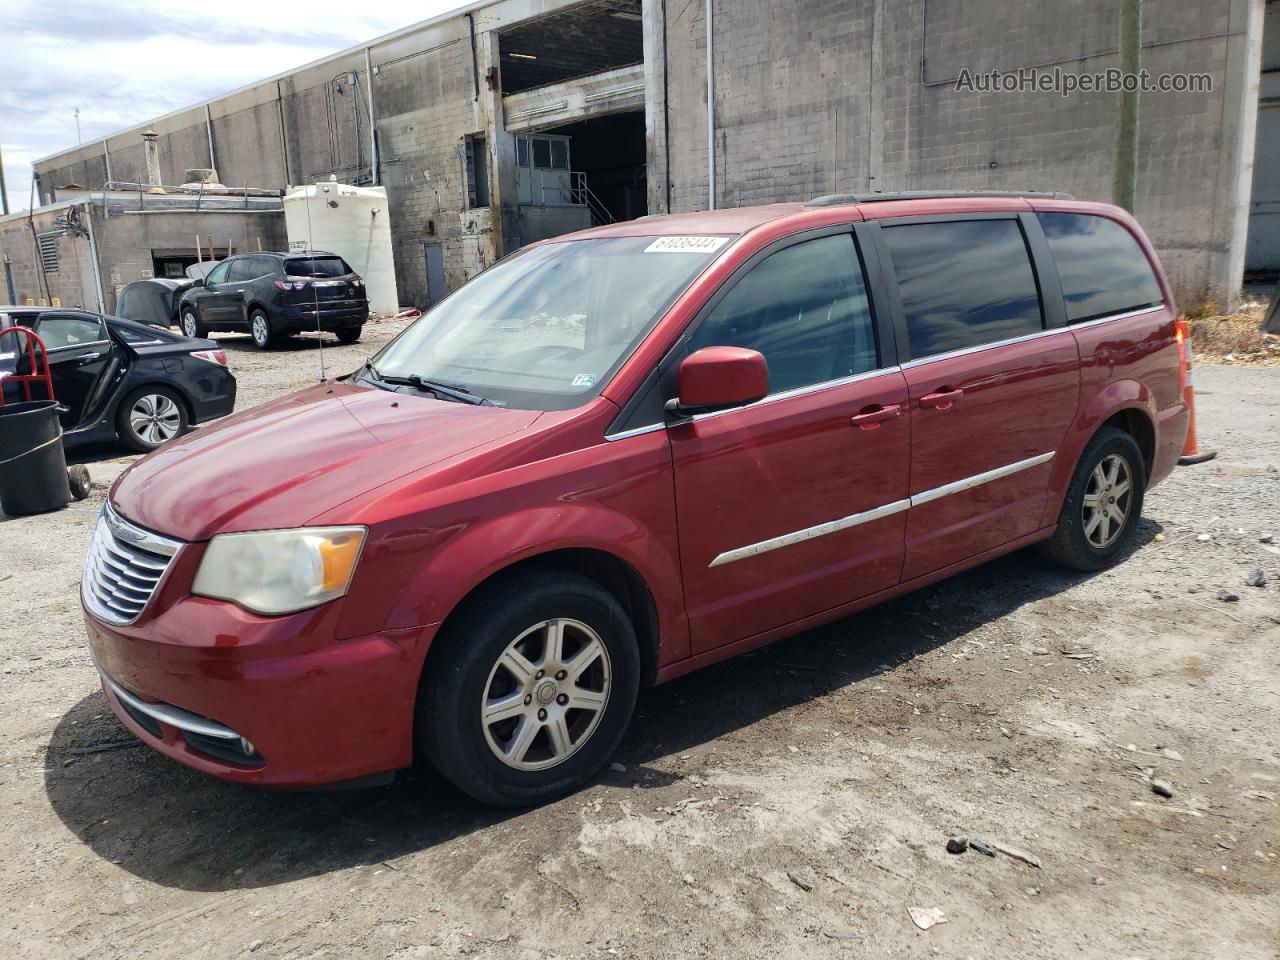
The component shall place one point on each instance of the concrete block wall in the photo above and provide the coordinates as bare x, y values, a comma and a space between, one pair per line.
71, 283
126, 240
821, 96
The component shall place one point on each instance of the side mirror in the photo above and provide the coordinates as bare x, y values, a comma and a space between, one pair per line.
198, 282
717, 378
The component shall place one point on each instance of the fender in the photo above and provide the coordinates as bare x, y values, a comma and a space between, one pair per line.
473, 555
1114, 397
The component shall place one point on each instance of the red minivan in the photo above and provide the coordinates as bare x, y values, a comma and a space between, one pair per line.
624, 454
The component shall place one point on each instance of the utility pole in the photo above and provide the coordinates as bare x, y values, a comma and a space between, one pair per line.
4, 196
78, 140
1124, 186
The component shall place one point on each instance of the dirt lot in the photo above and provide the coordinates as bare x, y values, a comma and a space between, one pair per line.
791, 803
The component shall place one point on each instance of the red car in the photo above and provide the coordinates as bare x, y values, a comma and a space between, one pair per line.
621, 455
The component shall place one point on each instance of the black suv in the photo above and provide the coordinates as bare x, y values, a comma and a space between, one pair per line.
274, 295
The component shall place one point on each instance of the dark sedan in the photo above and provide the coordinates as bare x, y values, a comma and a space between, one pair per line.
120, 379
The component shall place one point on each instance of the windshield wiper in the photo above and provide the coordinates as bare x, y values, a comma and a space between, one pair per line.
452, 391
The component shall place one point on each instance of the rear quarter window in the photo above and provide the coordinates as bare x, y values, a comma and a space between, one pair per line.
964, 283
1101, 267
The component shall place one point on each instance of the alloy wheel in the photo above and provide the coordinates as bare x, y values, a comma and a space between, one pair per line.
1107, 499
189, 326
155, 418
261, 331
546, 694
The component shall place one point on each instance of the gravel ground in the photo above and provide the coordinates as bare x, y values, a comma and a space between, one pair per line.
795, 802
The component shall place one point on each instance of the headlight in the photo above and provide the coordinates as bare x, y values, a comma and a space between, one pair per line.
280, 571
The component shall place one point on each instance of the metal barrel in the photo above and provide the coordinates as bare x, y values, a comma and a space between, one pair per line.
33, 467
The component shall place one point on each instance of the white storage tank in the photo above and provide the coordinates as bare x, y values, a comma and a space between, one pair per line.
353, 223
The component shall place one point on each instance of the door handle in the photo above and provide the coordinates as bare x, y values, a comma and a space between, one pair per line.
88, 358
942, 398
871, 417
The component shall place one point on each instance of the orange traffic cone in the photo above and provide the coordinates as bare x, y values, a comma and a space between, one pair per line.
1191, 452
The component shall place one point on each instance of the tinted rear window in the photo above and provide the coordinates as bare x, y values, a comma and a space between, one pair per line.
316, 267
1101, 266
963, 283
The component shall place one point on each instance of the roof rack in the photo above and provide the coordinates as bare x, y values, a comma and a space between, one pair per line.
837, 199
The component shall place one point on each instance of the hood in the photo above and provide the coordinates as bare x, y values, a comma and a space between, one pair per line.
280, 464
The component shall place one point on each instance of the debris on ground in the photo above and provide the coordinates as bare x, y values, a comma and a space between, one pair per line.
1017, 854
926, 917
616, 767
802, 878
1162, 788
1226, 596
957, 845
105, 747
982, 847
1257, 577
1235, 338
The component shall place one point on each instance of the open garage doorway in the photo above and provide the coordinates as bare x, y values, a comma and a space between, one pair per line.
609, 153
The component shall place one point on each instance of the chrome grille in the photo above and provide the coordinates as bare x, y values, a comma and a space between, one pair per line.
124, 566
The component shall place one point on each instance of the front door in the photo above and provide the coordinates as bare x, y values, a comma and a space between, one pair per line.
219, 300
796, 504
993, 388
79, 351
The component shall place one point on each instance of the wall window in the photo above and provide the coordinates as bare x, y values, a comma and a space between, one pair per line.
547, 153
1100, 265
805, 308
963, 283
477, 171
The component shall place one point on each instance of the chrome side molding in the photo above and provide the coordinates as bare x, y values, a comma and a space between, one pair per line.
809, 533
876, 513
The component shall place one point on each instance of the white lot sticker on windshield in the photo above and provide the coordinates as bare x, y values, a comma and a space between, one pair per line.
584, 380
686, 245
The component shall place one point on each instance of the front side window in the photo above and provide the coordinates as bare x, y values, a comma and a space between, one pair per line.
546, 328
963, 283
219, 273
805, 308
1100, 265
316, 267
58, 331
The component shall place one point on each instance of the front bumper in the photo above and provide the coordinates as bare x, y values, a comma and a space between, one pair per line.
270, 701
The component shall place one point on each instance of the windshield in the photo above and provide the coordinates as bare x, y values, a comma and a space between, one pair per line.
547, 328
316, 267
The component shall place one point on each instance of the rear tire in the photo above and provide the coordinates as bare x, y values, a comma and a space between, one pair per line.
151, 416
1103, 503
349, 334
524, 729
260, 330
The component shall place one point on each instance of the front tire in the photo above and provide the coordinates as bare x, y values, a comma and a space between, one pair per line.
1103, 503
191, 325
530, 690
260, 330
151, 416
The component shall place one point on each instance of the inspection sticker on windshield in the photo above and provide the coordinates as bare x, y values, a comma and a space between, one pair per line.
686, 245
584, 380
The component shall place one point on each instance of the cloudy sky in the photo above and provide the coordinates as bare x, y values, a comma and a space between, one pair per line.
122, 63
